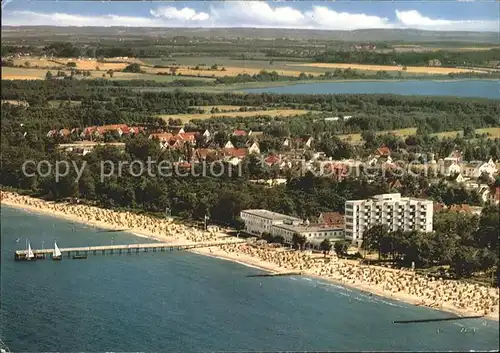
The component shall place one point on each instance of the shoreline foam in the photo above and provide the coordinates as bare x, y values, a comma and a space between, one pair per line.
243, 253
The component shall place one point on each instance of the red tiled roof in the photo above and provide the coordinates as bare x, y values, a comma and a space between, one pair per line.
460, 208
338, 168
332, 218
395, 184
163, 136
188, 136
272, 159
204, 152
497, 193
239, 133
384, 151
64, 132
438, 206
235, 152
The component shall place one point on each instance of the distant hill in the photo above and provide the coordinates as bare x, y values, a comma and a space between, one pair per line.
373, 35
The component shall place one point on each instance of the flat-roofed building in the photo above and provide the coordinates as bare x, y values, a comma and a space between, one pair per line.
260, 221
314, 233
398, 213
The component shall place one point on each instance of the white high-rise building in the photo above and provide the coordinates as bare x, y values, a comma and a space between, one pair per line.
398, 213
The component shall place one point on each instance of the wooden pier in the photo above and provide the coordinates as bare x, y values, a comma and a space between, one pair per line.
122, 249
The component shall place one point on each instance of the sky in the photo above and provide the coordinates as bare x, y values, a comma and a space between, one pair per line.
465, 15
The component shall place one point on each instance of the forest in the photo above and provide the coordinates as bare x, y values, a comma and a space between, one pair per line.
24, 137
324, 51
446, 58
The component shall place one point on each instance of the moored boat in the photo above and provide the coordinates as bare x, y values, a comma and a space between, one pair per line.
30, 256
79, 257
56, 255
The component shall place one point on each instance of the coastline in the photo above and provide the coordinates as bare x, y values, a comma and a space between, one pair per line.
172, 233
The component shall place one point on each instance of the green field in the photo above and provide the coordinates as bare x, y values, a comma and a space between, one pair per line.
355, 139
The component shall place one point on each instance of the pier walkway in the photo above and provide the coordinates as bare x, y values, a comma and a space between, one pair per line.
120, 249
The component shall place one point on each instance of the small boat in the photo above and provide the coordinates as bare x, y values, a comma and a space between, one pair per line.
79, 257
30, 256
56, 255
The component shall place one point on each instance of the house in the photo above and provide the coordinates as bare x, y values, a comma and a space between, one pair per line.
206, 134
331, 219
334, 169
453, 169
494, 196
305, 142
241, 133
188, 137
99, 131
383, 152
228, 145
60, 133
234, 156
488, 168
269, 182
254, 148
177, 131
118, 128
396, 184
464, 208
455, 157
255, 135
202, 154
272, 160
64, 132
163, 138
136, 130
457, 178
439, 206
286, 142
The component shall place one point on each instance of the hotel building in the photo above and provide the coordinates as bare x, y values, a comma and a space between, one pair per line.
398, 213
258, 222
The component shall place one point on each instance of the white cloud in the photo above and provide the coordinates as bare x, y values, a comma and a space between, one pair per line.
184, 14
323, 17
413, 19
256, 14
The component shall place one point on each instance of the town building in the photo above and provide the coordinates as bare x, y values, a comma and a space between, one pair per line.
314, 234
398, 213
260, 221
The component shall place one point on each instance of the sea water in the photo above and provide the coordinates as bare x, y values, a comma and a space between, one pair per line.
459, 88
179, 301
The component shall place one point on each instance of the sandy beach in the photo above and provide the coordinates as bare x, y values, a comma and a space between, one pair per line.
453, 296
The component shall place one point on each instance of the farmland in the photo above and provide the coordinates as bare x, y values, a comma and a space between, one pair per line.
409, 69
277, 112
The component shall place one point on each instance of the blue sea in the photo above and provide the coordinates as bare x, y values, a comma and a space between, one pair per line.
178, 301
459, 88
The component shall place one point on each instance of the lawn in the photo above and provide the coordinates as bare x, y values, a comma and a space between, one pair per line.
356, 139
448, 134
278, 112
493, 132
